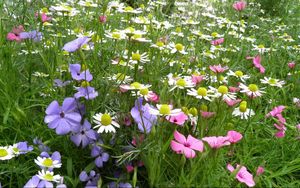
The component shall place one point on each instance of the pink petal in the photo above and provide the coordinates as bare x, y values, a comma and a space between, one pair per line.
177, 147
189, 153
230, 167
195, 143
179, 137
234, 136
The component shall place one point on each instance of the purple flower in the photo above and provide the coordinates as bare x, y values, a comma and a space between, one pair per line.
100, 155
142, 117
60, 83
74, 45
85, 135
119, 185
36, 36
23, 147
63, 118
36, 182
78, 74
87, 92
92, 178
40, 144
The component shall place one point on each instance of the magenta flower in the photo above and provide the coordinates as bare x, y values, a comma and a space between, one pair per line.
181, 145
239, 5
15, 34
257, 63
260, 170
292, 65
196, 79
242, 175
217, 41
275, 111
234, 136
179, 119
216, 142
232, 102
217, 68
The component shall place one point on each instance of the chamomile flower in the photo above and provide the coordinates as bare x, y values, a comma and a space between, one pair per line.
47, 162
139, 38
272, 82
116, 34
6, 153
129, 9
238, 74
105, 123
182, 83
48, 176
177, 48
251, 90
201, 93
87, 3
134, 86
120, 78
164, 110
136, 57
223, 92
159, 45
145, 93
260, 48
243, 111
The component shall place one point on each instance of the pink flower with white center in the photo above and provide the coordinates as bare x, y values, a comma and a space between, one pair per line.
217, 68
217, 41
242, 175
186, 146
239, 5
216, 142
234, 136
179, 119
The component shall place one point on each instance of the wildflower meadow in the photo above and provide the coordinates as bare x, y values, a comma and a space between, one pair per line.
154, 93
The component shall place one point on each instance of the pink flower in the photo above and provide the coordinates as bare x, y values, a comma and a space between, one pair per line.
181, 145
242, 175
275, 111
257, 63
102, 19
260, 170
45, 18
207, 115
292, 65
239, 6
153, 97
280, 134
197, 78
234, 136
129, 168
232, 102
178, 119
217, 41
234, 89
298, 127
217, 68
216, 142
15, 34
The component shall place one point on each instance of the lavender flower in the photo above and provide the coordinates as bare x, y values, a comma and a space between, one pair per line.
86, 91
92, 178
21, 148
100, 155
78, 74
60, 83
36, 182
74, 45
63, 118
36, 36
41, 145
84, 136
119, 185
142, 117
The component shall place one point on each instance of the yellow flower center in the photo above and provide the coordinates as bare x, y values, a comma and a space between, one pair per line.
3, 153
239, 73
116, 35
106, 119
261, 46
253, 87
181, 82
202, 91
144, 91
48, 162
223, 90
129, 8
221, 78
16, 150
48, 177
137, 36
214, 34
178, 29
243, 106
136, 85
44, 10
272, 81
85, 83
136, 56
160, 44
120, 76
165, 109
179, 47
203, 107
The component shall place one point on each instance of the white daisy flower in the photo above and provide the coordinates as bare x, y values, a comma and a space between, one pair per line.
87, 3
272, 82
129, 9
120, 78
164, 110
243, 111
251, 90
177, 48
6, 153
182, 83
223, 92
47, 162
48, 176
238, 74
134, 86
116, 34
201, 93
260, 48
105, 123
159, 45
136, 57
